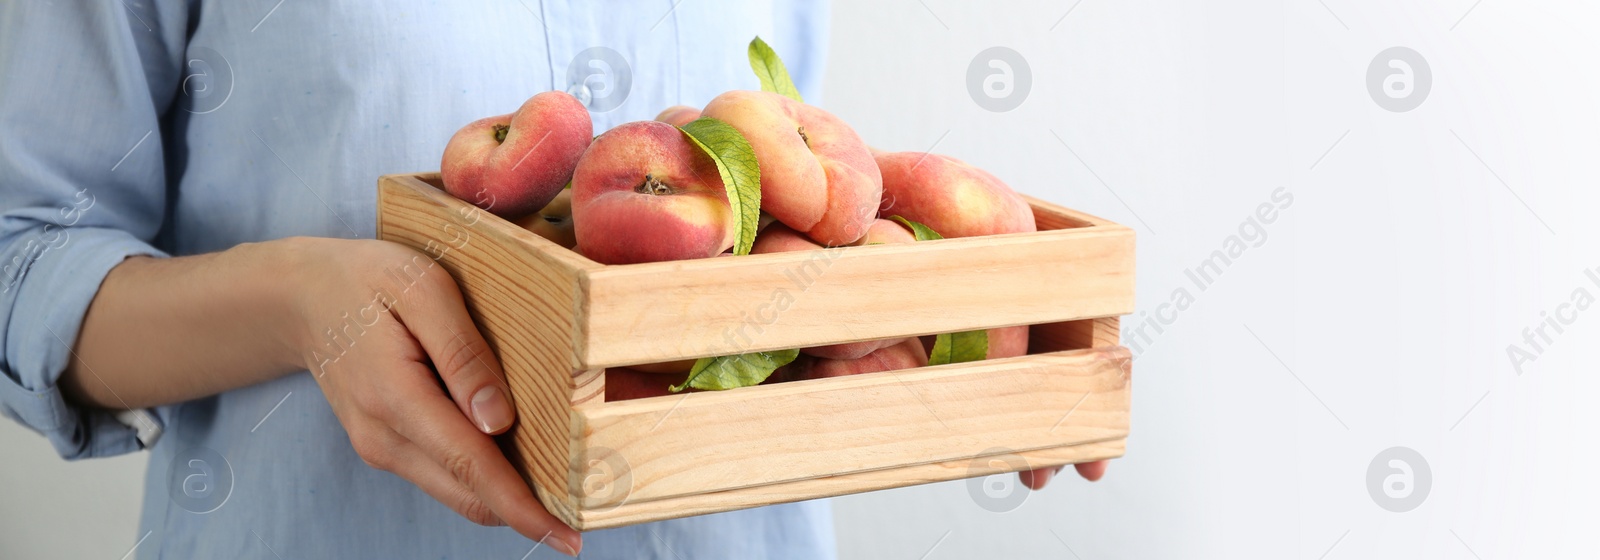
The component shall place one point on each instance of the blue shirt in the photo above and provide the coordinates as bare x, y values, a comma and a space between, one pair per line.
164, 127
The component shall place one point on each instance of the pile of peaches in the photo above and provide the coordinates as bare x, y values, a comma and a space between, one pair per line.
753, 172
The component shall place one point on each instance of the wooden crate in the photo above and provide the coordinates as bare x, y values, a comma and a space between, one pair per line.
557, 320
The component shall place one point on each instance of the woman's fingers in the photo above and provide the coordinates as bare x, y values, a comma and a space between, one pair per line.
436, 316
1091, 471
405, 459
432, 423
1036, 479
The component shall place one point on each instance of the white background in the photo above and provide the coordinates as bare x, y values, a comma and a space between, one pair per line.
1382, 301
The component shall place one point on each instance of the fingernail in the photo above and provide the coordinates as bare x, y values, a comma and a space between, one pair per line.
491, 409
569, 545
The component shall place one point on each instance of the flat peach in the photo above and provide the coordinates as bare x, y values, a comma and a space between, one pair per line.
1007, 342
951, 197
554, 221
817, 176
908, 353
513, 165
883, 231
643, 193
779, 238
679, 115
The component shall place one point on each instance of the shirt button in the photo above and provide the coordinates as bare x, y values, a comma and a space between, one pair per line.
581, 91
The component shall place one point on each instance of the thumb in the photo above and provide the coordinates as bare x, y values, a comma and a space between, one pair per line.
472, 375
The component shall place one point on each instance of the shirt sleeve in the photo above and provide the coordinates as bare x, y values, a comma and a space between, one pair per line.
83, 185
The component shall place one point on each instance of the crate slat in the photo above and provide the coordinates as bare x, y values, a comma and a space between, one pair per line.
630, 513
663, 311
700, 442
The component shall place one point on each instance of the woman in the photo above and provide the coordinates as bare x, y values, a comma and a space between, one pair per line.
189, 210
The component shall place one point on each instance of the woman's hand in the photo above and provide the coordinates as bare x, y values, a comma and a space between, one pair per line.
377, 320
1036, 479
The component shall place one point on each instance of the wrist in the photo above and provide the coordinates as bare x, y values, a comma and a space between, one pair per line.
282, 268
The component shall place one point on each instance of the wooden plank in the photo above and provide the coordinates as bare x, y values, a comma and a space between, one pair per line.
1051, 216
523, 296
706, 442
690, 309
1074, 335
421, 192
630, 513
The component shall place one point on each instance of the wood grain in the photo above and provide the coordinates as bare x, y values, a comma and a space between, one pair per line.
690, 309
694, 443
630, 513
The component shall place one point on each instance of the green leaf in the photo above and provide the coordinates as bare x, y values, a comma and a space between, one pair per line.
770, 70
949, 348
921, 232
954, 348
732, 372
736, 162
